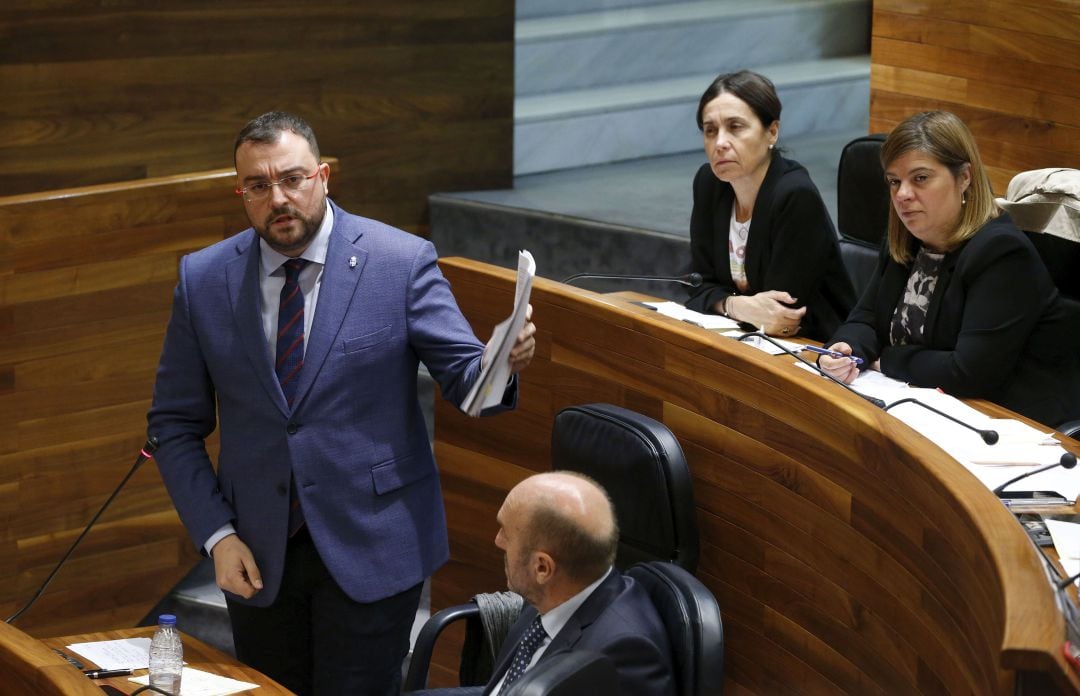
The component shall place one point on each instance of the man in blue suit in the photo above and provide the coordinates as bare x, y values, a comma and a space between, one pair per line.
559, 536
302, 336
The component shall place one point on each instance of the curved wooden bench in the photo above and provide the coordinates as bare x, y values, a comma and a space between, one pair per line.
848, 553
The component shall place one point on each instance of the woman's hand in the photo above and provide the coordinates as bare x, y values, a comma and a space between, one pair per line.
768, 310
843, 369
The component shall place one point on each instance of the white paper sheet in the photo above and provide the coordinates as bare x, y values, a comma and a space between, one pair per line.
1019, 449
1066, 536
128, 653
195, 682
489, 387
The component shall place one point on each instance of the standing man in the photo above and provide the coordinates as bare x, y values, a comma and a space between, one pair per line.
559, 536
302, 335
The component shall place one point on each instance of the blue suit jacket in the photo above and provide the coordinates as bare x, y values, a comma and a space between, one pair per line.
619, 621
355, 437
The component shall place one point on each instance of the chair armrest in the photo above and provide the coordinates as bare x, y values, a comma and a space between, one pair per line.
420, 662
1070, 429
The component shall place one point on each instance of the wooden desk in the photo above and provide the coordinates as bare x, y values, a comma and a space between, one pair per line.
849, 554
197, 654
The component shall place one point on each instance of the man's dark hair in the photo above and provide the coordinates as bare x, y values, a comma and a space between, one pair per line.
268, 128
581, 555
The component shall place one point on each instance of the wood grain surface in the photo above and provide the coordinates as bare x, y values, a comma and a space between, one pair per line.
197, 655
849, 554
417, 96
1010, 70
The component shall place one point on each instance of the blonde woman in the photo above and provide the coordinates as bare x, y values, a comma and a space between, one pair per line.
960, 299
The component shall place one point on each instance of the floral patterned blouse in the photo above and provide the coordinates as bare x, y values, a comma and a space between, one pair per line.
910, 316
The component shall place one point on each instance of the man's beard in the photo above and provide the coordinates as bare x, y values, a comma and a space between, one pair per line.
286, 243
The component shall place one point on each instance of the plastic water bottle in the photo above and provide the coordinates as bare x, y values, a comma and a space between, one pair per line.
166, 656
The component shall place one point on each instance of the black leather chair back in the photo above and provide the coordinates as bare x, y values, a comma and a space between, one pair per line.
641, 465
692, 619
862, 197
575, 673
860, 259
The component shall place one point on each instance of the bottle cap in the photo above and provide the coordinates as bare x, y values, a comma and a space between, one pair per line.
166, 620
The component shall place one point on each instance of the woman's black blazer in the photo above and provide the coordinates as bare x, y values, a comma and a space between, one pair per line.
792, 246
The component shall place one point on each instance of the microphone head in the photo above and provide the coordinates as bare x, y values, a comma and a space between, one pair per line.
990, 437
1068, 460
694, 280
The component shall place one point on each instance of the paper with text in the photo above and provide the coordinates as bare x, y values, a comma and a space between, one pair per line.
195, 682
490, 386
126, 653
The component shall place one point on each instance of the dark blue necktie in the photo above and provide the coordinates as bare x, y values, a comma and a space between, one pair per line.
526, 648
290, 358
290, 334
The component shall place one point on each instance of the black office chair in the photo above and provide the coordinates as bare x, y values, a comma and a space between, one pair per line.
691, 618
862, 198
641, 465
862, 207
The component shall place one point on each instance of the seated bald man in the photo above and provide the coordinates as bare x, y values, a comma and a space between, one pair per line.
559, 536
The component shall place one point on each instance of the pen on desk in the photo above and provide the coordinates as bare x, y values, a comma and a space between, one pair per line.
833, 354
106, 673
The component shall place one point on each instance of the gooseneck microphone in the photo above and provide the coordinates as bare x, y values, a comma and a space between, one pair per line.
692, 280
147, 452
1062, 584
1067, 461
761, 335
990, 437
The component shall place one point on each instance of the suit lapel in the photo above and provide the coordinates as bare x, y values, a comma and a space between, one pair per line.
725, 202
604, 594
945, 274
242, 281
339, 280
587, 613
761, 220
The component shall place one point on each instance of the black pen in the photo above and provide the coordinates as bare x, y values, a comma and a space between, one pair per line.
106, 673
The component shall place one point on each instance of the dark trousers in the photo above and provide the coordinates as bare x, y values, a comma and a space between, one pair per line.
314, 640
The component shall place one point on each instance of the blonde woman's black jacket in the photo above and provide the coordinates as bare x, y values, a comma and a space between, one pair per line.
996, 328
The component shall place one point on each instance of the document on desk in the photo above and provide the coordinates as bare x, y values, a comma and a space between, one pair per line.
1066, 536
195, 682
491, 384
1020, 447
715, 322
126, 653
723, 325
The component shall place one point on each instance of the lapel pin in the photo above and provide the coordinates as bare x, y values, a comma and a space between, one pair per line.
352, 262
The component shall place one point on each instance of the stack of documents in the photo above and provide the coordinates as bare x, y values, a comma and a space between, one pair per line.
721, 324
489, 387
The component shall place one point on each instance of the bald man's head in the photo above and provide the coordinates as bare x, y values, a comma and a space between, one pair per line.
570, 517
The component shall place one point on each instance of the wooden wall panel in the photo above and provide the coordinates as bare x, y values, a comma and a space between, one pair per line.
415, 97
1010, 70
86, 281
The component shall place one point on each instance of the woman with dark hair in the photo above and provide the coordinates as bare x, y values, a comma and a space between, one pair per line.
960, 299
760, 234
